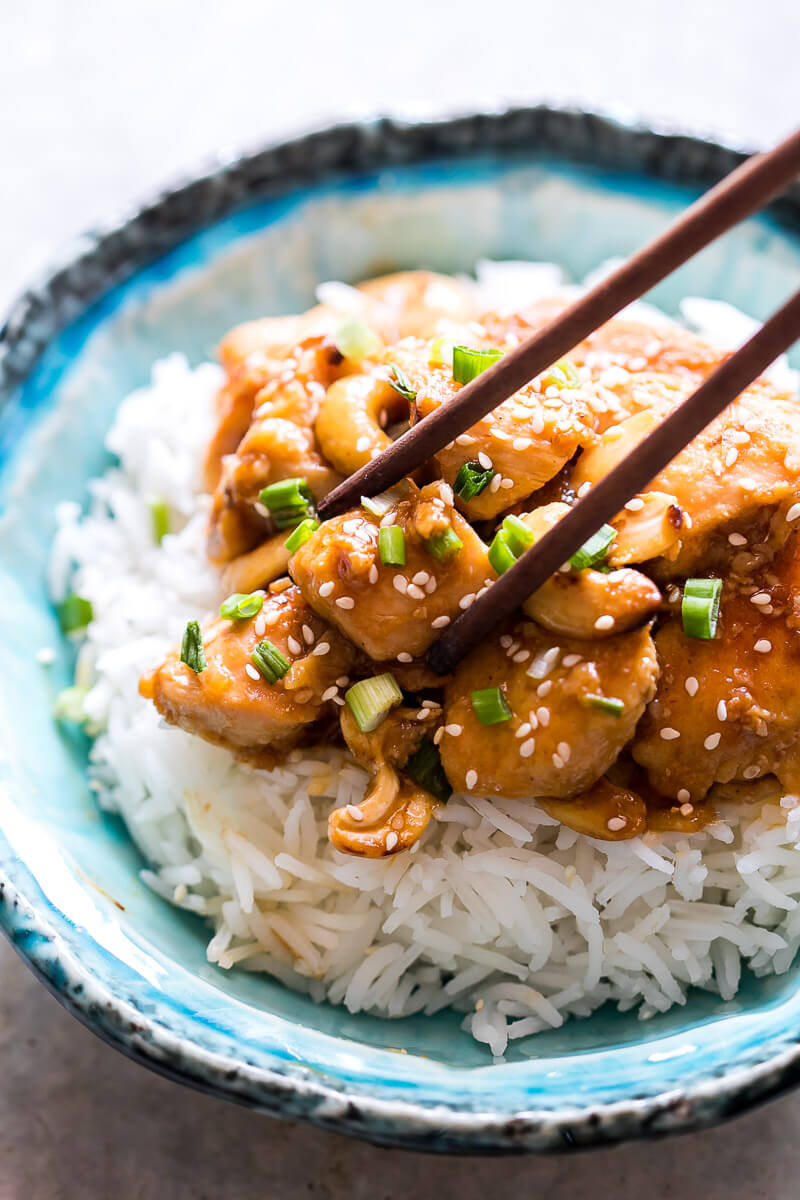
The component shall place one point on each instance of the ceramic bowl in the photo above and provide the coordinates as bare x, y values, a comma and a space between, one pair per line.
253, 235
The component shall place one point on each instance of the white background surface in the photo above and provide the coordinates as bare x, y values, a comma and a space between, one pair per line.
100, 102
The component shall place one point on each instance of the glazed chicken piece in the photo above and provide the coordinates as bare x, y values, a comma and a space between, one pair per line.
729, 708
560, 739
253, 718
397, 737
393, 612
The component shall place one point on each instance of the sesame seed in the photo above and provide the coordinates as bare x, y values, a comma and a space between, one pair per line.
294, 645
326, 588
584, 489
343, 681
416, 593
686, 810
446, 493
737, 539
260, 625
616, 824
793, 513
430, 588
485, 461
763, 646
534, 720
388, 519
421, 578
271, 618
400, 584
505, 641
523, 730
712, 741
544, 688
506, 484
373, 574
354, 812
521, 656
362, 444
251, 671
467, 600
543, 716
351, 526
761, 598
423, 714
571, 660
404, 656
437, 737
391, 840
454, 730
338, 700
564, 751
429, 704
494, 486
604, 622
722, 711
668, 734
731, 456
684, 795
751, 772
320, 649
345, 602
537, 424
635, 505
691, 685
329, 693
465, 439
440, 622
471, 779
558, 761
521, 443
527, 748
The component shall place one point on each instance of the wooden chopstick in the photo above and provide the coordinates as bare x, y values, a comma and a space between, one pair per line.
741, 193
609, 496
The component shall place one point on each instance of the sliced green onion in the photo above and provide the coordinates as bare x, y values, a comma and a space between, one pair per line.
595, 550
441, 353
562, 374
159, 518
301, 533
392, 546
606, 704
501, 556
400, 383
354, 339
74, 613
371, 700
289, 502
241, 605
192, 648
379, 505
468, 364
269, 661
425, 768
471, 479
490, 707
69, 705
444, 546
700, 607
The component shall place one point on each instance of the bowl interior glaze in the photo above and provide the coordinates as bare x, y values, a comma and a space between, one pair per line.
84, 913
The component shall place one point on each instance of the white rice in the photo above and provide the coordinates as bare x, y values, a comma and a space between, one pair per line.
499, 912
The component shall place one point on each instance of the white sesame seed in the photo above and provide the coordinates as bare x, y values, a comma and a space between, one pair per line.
691, 685
326, 588
429, 704
373, 574
740, 437
416, 593
421, 578
686, 810
544, 688
505, 641
616, 824
521, 656
400, 584
320, 649
440, 622
343, 681
584, 489
467, 600
751, 772
722, 711
345, 602
558, 761
423, 714
471, 779
391, 840
271, 618
260, 625
668, 733
437, 737
571, 660
388, 519
543, 716
485, 461
404, 656
712, 741
763, 646
761, 598
793, 513
534, 720
338, 700
506, 484
731, 456
465, 439
737, 539
564, 751
251, 671
523, 730
604, 622
354, 812
294, 645
684, 795
353, 526
329, 693
527, 748
537, 424
494, 486
446, 493
521, 443
430, 588
362, 444
454, 730
635, 505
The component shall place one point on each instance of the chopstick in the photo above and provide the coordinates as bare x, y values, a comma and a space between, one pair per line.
610, 495
741, 193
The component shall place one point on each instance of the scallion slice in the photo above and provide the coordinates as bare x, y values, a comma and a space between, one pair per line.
425, 768
241, 605
489, 706
400, 383
518, 536
392, 546
607, 704
69, 705
371, 700
159, 519
595, 550
444, 546
468, 364
301, 533
74, 613
354, 339
192, 648
501, 556
379, 505
562, 374
471, 479
289, 502
269, 661
700, 607
441, 353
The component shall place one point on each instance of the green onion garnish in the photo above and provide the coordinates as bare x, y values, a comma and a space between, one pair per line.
562, 374
511, 540
241, 605
468, 364
490, 707
441, 353
269, 661
392, 546
400, 383
69, 705
501, 556
159, 518
595, 550
192, 648
606, 704
700, 607
301, 533
354, 339
444, 546
74, 613
425, 768
471, 479
379, 505
371, 700
289, 502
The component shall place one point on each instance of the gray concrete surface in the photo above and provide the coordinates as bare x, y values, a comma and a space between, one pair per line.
99, 102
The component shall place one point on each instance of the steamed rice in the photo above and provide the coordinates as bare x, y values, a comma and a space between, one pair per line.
499, 912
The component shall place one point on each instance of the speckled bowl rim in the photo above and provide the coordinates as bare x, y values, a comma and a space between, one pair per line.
109, 254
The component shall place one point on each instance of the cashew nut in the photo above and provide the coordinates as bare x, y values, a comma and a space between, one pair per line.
258, 568
349, 427
606, 811
391, 817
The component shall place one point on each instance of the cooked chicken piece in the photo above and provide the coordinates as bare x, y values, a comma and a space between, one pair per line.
418, 302
397, 737
729, 708
606, 811
392, 612
559, 739
251, 717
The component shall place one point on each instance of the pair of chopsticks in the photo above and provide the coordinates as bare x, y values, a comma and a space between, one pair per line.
740, 194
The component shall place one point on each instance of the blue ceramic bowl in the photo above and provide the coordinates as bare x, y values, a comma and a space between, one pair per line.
253, 236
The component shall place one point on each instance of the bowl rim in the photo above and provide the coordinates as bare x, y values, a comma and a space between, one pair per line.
91, 265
